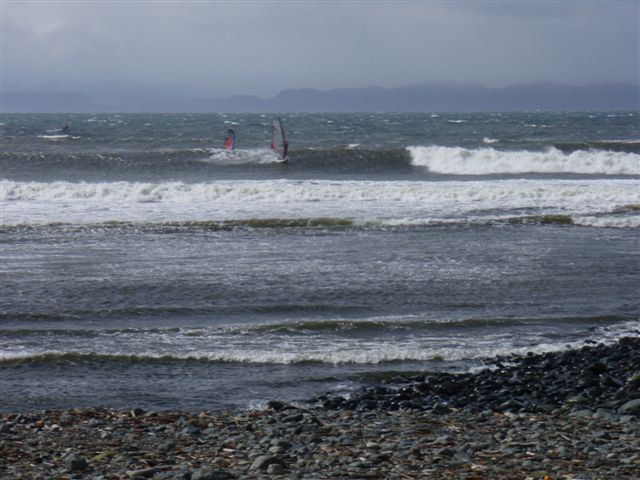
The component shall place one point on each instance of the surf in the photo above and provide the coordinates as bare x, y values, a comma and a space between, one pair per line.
489, 161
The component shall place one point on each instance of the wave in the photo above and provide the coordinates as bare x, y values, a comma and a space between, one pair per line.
604, 219
599, 158
304, 346
308, 326
489, 161
629, 146
127, 160
282, 204
531, 192
414, 323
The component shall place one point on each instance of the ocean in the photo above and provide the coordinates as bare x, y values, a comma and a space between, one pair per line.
144, 266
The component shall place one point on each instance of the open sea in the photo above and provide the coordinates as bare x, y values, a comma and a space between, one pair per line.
144, 266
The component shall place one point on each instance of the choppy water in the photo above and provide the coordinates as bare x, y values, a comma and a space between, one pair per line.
142, 265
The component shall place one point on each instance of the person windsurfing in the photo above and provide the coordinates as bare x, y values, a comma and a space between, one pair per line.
65, 128
230, 141
279, 142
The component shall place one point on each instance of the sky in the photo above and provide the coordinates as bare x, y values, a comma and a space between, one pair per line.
217, 49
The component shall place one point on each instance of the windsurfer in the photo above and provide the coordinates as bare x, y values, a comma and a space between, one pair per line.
230, 141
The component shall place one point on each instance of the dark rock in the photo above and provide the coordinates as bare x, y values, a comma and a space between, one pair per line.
6, 428
275, 469
296, 417
75, 463
263, 461
276, 405
144, 472
207, 473
440, 409
632, 407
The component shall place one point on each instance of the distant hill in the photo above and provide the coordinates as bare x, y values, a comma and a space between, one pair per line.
424, 97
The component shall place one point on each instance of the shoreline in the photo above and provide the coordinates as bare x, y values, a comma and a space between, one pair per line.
565, 415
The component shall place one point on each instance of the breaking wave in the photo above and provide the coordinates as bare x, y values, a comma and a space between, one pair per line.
489, 161
226, 205
365, 341
588, 158
515, 191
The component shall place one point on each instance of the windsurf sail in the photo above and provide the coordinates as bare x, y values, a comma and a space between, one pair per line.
230, 141
279, 143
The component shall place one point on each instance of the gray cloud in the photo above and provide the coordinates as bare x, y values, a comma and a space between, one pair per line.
221, 48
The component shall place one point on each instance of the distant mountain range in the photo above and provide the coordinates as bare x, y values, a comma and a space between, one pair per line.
423, 97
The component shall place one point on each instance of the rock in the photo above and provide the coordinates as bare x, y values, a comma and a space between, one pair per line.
6, 428
440, 409
632, 407
577, 400
263, 461
167, 445
144, 472
510, 405
634, 379
296, 417
275, 469
75, 463
190, 430
276, 405
446, 452
207, 473
627, 419
581, 413
605, 414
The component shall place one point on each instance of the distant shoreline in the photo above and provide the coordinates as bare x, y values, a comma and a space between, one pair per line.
454, 97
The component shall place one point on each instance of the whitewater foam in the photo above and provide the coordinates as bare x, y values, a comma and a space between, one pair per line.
488, 161
241, 156
357, 201
271, 348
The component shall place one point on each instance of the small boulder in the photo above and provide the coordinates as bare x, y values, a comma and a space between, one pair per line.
632, 407
263, 461
75, 463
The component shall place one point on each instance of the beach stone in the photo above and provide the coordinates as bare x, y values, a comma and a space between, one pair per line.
581, 413
634, 379
275, 469
75, 463
6, 428
167, 445
510, 405
296, 417
440, 409
605, 414
577, 400
632, 407
263, 461
190, 430
143, 472
276, 405
627, 418
207, 473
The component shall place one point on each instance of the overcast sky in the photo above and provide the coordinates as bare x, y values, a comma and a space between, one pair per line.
260, 48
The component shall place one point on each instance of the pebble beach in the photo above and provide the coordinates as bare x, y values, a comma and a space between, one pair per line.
569, 415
